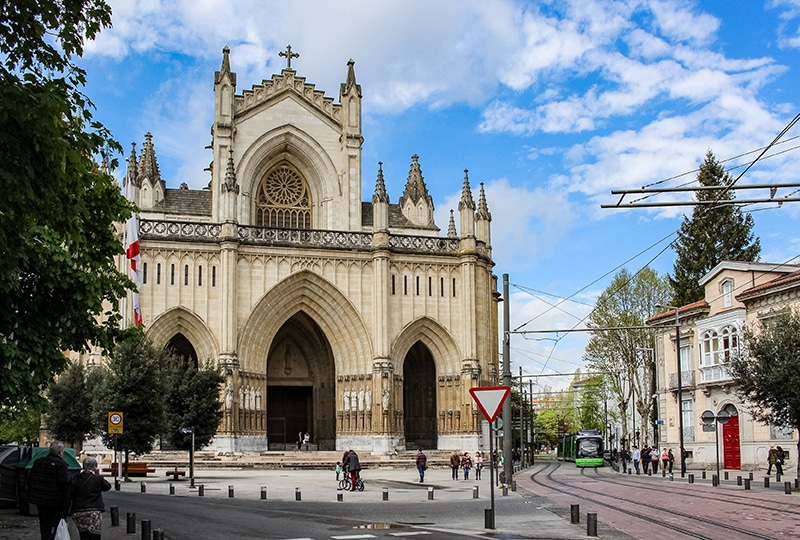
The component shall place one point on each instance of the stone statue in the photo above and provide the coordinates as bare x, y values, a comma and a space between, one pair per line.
347, 400
385, 395
258, 399
241, 397
368, 400
228, 396
360, 400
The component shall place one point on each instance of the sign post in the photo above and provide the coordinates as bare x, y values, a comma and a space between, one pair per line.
490, 400
115, 428
186, 431
710, 421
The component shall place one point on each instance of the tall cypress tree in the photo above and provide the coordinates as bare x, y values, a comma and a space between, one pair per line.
715, 233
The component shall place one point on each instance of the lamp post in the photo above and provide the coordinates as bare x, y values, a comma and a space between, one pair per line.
680, 384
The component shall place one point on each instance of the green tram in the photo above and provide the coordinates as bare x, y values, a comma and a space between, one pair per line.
585, 448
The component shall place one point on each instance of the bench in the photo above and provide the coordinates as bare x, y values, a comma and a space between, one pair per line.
175, 473
134, 468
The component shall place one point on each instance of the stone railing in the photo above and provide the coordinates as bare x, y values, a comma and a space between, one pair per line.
718, 373
687, 380
179, 229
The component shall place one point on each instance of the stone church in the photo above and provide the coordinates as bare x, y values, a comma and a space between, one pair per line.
356, 321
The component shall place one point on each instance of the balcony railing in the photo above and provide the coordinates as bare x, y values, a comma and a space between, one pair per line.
687, 380
718, 373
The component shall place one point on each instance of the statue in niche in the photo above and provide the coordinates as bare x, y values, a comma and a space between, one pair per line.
360, 400
258, 399
228, 396
347, 400
287, 360
368, 400
241, 397
249, 397
385, 395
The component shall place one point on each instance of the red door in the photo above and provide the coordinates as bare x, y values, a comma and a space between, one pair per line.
730, 444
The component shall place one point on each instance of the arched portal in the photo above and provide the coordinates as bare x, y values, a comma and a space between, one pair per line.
300, 386
182, 347
731, 452
419, 398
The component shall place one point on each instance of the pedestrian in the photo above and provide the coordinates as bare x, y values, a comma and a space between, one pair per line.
306, 440
338, 470
655, 457
48, 489
780, 455
300, 441
353, 465
455, 462
665, 461
636, 457
422, 464
645, 459
772, 458
87, 500
478, 465
624, 456
466, 464
671, 457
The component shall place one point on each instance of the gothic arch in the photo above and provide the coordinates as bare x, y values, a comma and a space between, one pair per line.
288, 144
181, 321
321, 301
435, 337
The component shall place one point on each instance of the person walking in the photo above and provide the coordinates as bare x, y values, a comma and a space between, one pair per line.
772, 458
338, 470
422, 464
466, 464
645, 459
307, 439
655, 457
636, 457
48, 489
671, 459
354, 466
455, 462
300, 440
478, 465
780, 455
87, 500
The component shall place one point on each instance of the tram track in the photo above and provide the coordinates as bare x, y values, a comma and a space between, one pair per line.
633, 509
786, 507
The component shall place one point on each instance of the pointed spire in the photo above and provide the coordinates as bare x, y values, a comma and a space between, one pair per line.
351, 79
483, 208
466, 194
130, 175
380, 187
225, 70
415, 185
148, 165
230, 184
451, 227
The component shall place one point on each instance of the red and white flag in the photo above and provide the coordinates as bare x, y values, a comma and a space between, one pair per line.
133, 255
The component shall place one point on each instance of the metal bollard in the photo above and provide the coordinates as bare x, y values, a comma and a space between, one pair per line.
787, 488
201, 489
738, 480
474, 492
171, 488
691, 478
147, 529
339, 495
263, 493
158, 534
574, 513
230, 492
297, 495
766, 481
117, 486
115, 516
725, 474
751, 476
143, 486
130, 526
630, 471
385, 494
797, 483
430, 493
714, 480
505, 490
747, 484
591, 524
704, 475
488, 518
514, 486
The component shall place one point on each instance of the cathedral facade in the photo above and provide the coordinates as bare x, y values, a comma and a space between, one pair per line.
355, 321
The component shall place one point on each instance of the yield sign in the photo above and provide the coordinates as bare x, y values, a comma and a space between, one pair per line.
490, 399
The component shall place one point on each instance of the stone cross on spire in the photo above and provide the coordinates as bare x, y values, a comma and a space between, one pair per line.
288, 54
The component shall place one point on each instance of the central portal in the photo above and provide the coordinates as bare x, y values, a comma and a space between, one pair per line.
419, 398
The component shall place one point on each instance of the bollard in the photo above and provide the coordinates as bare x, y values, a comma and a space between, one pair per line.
488, 518
704, 475
797, 483
671, 478
263, 493
474, 492
430, 493
115, 516
385, 494
505, 490
714, 480
130, 526
171, 488
787, 488
339, 495
143, 486
777, 478
297, 495
201, 489
116, 484
766, 481
158, 534
514, 486
574, 513
591, 524
725, 475
747, 484
738, 480
230, 492
691, 478
146, 529
630, 472
751, 476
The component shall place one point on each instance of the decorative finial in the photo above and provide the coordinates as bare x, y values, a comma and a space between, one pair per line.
288, 54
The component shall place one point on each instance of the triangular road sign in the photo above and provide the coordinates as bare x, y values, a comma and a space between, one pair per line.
490, 399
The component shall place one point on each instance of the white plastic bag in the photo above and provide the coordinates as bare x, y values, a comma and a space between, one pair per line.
62, 532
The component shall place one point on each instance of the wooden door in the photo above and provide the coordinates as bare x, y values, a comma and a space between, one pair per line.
730, 444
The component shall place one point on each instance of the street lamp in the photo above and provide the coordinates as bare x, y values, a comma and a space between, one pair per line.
680, 383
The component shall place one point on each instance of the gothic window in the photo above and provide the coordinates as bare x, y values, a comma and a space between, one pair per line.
283, 200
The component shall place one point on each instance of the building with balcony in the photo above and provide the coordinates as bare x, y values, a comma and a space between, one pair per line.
736, 294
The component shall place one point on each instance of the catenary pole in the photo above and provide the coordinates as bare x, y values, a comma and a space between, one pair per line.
507, 435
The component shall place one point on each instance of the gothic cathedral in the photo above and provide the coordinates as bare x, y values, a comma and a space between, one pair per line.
354, 321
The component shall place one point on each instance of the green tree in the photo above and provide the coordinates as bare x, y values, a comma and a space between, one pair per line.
133, 383
547, 427
71, 417
591, 399
716, 232
767, 371
623, 308
20, 425
58, 280
193, 400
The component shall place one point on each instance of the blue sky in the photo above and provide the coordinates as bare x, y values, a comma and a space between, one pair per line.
551, 104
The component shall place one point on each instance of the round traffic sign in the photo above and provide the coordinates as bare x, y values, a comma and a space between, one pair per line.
723, 417
708, 417
115, 419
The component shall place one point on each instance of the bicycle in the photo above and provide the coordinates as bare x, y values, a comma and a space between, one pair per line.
346, 483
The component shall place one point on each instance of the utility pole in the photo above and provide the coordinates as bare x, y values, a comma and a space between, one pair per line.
508, 467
